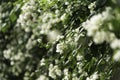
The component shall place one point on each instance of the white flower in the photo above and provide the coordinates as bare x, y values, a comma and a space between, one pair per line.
29, 6
52, 74
92, 6
12, 63
66, 75
66, 3
60, 47
18, 56
93, 77
75, 78
7, 53
110, 37
42, 77
27, 29
79, 65
88, 78
93, 25
28, 17
42, 62
66, 78
65, 71
116, 56
52, 35
56, 61
115, 44
57, 71
79, 57
96, 20
57, 12
63, 16
107, 14
54, 71
45, 28
59, 37
99, 37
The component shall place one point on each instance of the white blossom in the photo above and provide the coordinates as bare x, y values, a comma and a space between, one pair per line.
94, 24
54, 71
52, 35
7, 53
63, 16
93, 76
66, 74
75, 78
42, 77
99, 37
59, 37
65, 71
115, 44
107, 14
79, 57
60, 47
110, 37
92, 6
42, 62
116, 56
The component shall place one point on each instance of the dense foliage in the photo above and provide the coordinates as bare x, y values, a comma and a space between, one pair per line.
59, 39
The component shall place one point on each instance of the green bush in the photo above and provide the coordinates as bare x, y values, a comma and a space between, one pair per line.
59, 39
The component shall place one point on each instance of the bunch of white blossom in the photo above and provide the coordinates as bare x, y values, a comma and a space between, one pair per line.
28, 17
95, 28
94, 76
54, 71
42, 77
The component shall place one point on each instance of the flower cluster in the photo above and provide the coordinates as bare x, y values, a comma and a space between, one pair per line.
28, 17
95, 27
93, 77
100, 28
54, 71
48, 40
42, 77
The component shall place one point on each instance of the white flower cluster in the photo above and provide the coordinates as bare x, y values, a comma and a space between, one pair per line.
95, 29
28, 17
54, 71
115, 44
94, 76
31, 42
42, 77
72, 40
53, 35
79, 65
92, 6
77, 35
60, 47
116, 56
48, 19
9, 54
42, 62
66, 74
18, 48
63, 17
79, 57
95, 24
74, 77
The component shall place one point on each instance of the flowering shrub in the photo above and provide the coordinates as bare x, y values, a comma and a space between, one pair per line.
59, 39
